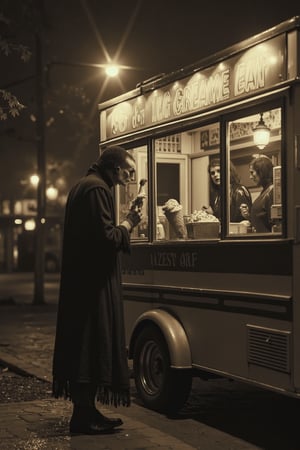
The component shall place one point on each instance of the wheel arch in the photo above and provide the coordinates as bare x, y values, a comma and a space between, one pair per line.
173, 332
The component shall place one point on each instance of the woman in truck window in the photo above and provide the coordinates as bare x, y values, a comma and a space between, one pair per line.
261, 172
240, 197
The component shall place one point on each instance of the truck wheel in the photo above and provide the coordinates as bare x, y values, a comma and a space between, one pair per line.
160, 387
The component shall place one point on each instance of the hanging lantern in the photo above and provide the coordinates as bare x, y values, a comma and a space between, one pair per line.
261, 134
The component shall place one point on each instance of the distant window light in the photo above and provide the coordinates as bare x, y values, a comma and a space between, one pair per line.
34, 180
29, 225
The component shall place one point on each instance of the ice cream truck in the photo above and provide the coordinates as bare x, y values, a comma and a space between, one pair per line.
207, 293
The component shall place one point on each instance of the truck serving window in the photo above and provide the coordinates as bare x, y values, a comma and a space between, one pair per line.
254, 174
184, 198
202, 195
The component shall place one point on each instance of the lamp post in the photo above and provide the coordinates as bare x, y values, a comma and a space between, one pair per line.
39, 266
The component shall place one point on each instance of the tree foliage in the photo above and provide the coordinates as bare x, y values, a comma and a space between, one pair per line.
9, 104
69, 112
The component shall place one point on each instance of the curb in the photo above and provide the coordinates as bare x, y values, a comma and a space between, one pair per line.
13, 364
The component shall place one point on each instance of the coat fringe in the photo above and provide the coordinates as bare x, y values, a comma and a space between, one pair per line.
61, 389
108, 397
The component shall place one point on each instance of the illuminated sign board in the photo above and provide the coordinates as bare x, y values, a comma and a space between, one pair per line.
245, 73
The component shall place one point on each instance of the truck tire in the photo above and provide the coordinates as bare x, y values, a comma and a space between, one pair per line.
159, 386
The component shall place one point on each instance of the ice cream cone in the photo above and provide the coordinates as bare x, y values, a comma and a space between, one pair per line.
176, 221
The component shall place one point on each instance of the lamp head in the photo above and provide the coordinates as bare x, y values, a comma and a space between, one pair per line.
261, 134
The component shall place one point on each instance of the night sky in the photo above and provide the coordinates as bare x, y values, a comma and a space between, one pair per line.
152, 37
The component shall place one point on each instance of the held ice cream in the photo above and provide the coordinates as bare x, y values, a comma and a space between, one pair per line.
173, 212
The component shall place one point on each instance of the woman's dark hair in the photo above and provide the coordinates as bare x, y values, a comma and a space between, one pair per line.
234, 177
213, 163
263, 166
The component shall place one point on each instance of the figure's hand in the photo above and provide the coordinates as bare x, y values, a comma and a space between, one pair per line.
138, 202
141, 195
246, 223
245, 210
134, 217
207, 209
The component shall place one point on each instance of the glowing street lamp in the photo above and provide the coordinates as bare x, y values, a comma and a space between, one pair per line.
112, 70
51, 191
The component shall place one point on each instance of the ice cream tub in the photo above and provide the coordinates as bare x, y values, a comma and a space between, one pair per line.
203, 230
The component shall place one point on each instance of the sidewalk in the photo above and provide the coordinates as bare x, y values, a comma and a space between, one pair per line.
26, 345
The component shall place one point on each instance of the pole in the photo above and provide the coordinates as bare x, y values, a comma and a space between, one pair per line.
39, 268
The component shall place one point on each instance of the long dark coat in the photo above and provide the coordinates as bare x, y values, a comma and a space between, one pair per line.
90, 338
